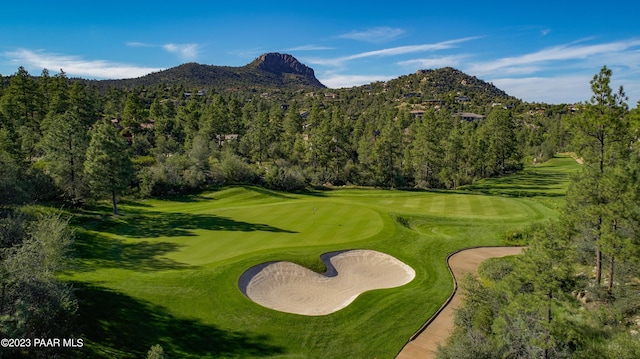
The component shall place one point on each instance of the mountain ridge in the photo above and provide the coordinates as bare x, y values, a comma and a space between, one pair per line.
269, 70
276, 71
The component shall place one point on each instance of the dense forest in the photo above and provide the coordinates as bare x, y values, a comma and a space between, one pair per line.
71, 142
163, 140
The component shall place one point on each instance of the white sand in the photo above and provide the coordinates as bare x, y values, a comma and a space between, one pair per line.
291, 288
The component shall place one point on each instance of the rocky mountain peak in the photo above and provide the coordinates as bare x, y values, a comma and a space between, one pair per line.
280, 64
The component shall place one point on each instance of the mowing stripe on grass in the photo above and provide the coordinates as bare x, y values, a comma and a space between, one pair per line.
166, 271
412, 203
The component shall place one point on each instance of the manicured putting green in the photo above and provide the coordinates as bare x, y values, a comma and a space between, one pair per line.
166, 271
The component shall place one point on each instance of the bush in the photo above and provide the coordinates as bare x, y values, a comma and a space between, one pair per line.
156, 352
284, 178
495, 269
235, 169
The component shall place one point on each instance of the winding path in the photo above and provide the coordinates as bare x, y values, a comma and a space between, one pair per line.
437, 329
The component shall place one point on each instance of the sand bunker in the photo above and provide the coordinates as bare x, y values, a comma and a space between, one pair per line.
291, 288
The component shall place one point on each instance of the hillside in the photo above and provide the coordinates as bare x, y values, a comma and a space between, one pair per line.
270, 70
444, 85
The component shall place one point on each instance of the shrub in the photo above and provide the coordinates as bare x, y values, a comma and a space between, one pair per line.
235, 169
282, 177
156, 352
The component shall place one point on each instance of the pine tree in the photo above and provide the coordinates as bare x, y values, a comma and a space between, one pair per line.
387, 154
65, 144
19, 106
214, 122
502, 141
601, 135
425, 153
108, 166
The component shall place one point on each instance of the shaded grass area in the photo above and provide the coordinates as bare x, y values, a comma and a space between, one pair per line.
152, 224
94, 251
116, 325
549, 179
166, 272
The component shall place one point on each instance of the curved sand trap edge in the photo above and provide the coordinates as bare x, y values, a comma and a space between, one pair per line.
424, 343
291, 288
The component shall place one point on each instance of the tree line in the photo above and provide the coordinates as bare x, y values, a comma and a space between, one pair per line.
164, 141
65, 142
574, 293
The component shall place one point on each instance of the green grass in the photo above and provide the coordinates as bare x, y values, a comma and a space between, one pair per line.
166, 272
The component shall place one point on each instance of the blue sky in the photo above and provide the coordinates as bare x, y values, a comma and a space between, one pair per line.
540, 51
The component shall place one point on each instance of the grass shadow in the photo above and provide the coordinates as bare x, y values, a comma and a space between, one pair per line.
530, 183
119, 326
267, 192
93, 251
133, 203
151, 224
184, 198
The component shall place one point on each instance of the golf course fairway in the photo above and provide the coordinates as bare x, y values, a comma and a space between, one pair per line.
166, 271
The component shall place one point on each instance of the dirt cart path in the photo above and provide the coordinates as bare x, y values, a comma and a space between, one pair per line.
437, 331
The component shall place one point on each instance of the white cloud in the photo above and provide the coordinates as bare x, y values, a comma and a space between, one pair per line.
77, 66
392, 51
532, 76
185, 52
561, 89
530, 63
401, 50
374, 35
188, 52
139, 44
341, 81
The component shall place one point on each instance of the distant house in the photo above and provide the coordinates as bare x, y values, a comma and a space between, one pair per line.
469, 116
417, 113
148, 125
462, 99
226, 138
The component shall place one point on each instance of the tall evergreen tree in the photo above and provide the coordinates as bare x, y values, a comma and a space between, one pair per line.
503, 149
602, 141
108, 164
65, 144
214, 123
134, 112
59, 96
387, 154
19, 107
425, 153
